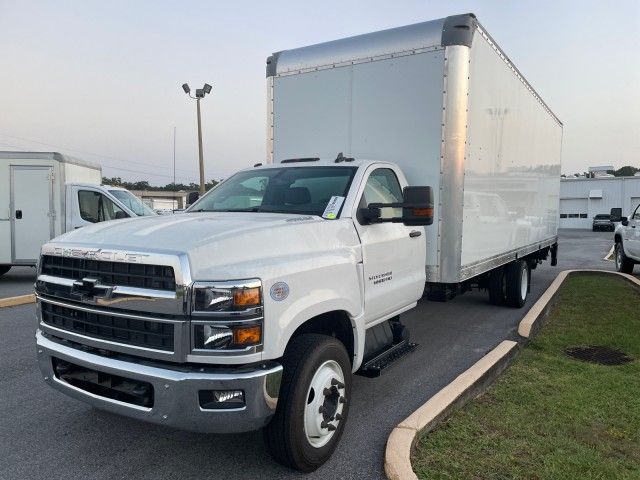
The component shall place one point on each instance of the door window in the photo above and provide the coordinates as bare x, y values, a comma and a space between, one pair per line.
383, 187
636, 214
96, 207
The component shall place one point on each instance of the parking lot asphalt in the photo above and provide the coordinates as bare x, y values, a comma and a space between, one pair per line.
44, 434
17, 281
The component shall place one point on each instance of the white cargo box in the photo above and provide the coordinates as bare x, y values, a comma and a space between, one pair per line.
32, 200
443, 101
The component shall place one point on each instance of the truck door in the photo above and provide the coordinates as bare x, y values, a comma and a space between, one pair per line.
632, 231
90, 205
393, 254
32, 212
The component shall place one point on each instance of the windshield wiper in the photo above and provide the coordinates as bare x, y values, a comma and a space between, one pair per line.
251, 209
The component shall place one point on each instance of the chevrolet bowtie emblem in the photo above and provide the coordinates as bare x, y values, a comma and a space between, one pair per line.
91, 287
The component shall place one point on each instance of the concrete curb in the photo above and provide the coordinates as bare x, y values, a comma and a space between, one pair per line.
469, 384
15, 301
472, 382
534, 318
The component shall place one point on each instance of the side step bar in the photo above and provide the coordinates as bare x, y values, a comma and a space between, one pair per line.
373, 368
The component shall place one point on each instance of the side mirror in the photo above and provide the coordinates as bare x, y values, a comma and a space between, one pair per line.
624, 221
616, 214
120, 214
417, 208
192, 197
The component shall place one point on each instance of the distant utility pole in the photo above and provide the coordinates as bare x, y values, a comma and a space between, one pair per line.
174, 159
200, 93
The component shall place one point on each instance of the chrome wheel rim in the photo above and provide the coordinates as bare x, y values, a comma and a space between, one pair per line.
524, 284
325, 402
618, 256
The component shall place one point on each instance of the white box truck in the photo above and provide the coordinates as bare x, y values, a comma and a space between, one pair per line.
44, 194
254, 308
444, 102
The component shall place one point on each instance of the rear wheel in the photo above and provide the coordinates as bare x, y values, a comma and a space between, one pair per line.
517, 283
623, 263
4, 269
313, 402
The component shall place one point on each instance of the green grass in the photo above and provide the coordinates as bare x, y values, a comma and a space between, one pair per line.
549, 416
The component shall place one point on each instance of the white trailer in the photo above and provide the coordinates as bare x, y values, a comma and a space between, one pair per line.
45, 194
443, 101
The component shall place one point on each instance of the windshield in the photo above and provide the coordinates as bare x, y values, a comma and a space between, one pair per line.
304, 190
602, 217
132, 202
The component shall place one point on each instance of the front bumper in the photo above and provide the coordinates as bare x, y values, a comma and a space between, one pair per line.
176, 389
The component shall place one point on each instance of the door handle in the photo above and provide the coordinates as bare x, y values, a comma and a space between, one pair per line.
415, 233
18, 214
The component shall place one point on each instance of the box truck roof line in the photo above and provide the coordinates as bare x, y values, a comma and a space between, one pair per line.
58, 157
406, 40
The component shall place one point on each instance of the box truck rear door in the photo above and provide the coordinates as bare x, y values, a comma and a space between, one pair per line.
31, 211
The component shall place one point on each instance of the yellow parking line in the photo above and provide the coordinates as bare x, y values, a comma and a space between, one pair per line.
14, 301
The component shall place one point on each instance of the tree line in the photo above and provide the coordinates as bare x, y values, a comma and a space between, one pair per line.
626, 171
144, 185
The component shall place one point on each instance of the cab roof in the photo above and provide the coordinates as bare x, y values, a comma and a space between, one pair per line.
307, 162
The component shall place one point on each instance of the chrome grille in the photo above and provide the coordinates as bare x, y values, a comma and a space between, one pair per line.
126, 330
157, 277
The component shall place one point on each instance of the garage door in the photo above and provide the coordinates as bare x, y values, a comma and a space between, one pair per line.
574, 213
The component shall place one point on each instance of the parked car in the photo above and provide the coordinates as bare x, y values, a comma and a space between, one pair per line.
602, 221
627, 240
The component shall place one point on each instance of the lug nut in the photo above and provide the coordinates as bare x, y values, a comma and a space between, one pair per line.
338, 416
326, 392
337, 383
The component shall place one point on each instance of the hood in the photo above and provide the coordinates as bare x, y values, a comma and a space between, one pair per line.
230, 244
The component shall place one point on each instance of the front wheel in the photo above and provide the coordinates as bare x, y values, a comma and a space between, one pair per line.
623, 263
313, 403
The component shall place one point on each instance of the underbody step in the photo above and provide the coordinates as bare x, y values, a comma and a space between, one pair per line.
373, 367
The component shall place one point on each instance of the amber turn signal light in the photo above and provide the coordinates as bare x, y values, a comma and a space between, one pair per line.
246, 297
247, 335
422, 212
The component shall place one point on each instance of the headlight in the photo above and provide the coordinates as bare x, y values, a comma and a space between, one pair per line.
227, 315
226, 296
216, 337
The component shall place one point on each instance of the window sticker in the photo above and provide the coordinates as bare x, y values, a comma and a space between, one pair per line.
333, 208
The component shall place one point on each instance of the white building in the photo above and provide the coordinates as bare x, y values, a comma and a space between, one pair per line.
582, 198
162, 199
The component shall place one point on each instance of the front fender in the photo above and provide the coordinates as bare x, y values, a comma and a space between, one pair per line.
295, 318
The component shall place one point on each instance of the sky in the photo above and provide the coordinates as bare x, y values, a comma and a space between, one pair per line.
101, 80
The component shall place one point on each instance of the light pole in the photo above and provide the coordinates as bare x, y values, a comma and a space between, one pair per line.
200, 93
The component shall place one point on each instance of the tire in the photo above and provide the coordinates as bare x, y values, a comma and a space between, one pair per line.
517, 278
497, 290
308, 360
623, 263
4, 269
